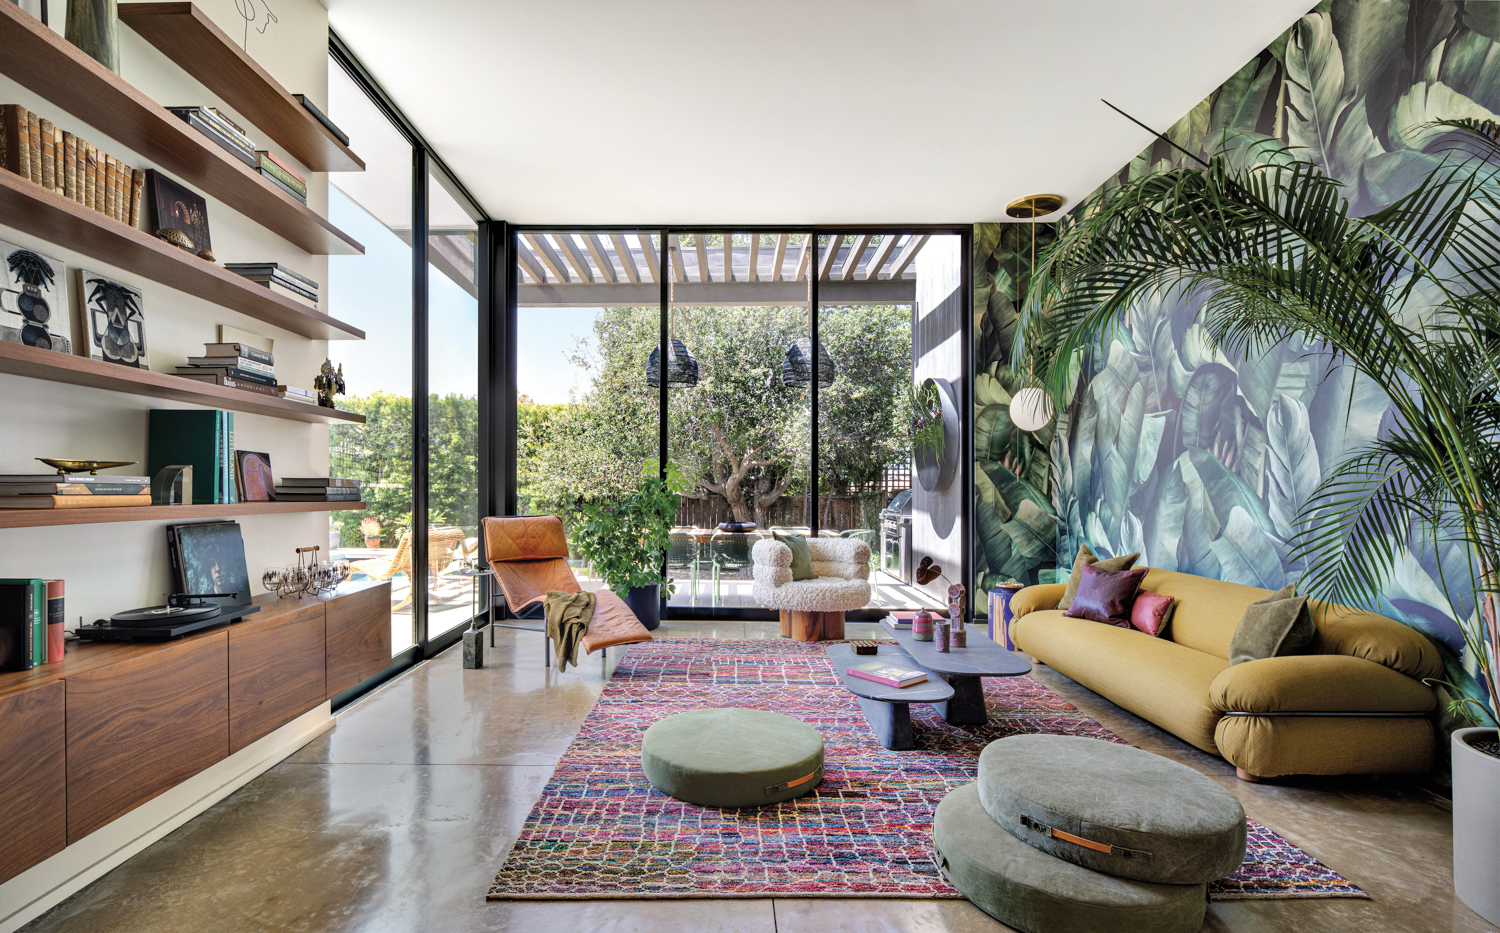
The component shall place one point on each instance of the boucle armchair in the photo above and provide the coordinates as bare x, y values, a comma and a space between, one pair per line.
813, 610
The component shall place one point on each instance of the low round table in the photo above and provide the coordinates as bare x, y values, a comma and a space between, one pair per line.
733, 757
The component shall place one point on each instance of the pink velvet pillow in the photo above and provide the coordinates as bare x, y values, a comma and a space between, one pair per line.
1106, 595
1151, 612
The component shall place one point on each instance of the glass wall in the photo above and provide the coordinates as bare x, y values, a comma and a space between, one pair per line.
452, 406
373, 292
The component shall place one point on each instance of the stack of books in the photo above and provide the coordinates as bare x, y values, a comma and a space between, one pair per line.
882, 672
322, 118
223, 131
297, 395
317, 489
281, 175
234, 366
31, 623
38, 151
279, 279
203, 440
72, 491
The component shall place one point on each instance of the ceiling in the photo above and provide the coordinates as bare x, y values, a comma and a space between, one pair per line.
793, 111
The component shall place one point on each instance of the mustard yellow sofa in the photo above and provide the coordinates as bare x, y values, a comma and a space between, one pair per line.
1355, 705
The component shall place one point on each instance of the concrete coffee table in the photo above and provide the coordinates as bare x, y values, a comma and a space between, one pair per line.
886, 708
962, 668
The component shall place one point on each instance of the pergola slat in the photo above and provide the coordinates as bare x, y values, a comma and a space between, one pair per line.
908, 253
527, 260
600, 252
831, 255
703, 275
574, 256
627, 262
752, 272
679, 272
856, 253
805, 258
781, 241
648, 253
548, 256
882, 253
728, 257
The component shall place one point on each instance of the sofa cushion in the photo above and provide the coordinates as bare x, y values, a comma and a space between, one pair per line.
1156, 819
1375, 638
1318, 683
1151, 613
1085, 558
802, 568
1270, 746
1156, 679
1273, 626
1106, 596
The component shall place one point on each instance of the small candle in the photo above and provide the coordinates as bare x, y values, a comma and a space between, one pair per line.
958, 638
940, 631
921, 627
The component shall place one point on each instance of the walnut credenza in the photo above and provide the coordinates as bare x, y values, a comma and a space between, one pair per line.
112, 726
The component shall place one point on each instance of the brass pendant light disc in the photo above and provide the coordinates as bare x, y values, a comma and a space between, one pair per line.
1034, 205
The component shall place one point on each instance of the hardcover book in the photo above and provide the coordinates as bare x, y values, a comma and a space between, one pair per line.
299, 195
318, 481
56, 620
76, 502
72, 489
239, 349
312, 108
194, 438
253, 476
882, 673
274, 167
240, 362
22, 617
269, 268
234, 372
229, 382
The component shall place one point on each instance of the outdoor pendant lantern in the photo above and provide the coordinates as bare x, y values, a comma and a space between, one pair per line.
796, 368
682, 368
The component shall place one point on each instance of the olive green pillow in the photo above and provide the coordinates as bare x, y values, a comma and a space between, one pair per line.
801, 556
1086, 557
1274, 627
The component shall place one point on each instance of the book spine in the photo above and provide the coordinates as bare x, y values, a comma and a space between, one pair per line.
90, 166
49, 156
218, 491
223, 124
111, 171
17, 145
70, 166
245, 155
122, 195
254, 353
229, 470
34, 138
243, 385
272, 170
39, 622
59, 155
137, 185
282, 185
280, 169
56, 619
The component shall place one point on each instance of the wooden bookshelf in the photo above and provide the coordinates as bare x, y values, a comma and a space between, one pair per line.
47, 214
184, 34
36, 518
18, 360
48, 64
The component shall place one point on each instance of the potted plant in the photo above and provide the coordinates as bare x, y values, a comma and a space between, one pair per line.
625, 540
1408, 296
369, 527
934, 433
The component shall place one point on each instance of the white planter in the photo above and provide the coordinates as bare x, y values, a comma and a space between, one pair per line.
1476, 825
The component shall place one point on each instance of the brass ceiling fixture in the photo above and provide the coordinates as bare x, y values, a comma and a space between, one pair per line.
1034, 205
1030, 409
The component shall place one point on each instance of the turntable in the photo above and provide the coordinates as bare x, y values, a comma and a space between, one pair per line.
183, 614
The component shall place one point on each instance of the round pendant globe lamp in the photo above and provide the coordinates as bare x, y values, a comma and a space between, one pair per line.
796, 366
1031, 409
682, 367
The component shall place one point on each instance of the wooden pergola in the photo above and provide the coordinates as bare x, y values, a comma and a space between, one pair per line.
622, 269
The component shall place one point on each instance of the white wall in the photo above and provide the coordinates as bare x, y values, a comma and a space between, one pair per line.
110, 567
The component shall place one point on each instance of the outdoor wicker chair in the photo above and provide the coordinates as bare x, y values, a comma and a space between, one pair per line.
683, 557
730, 554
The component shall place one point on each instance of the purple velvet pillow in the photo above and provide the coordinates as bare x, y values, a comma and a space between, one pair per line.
1106, 595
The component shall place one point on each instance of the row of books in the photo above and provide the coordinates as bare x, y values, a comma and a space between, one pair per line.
33, 148
230, 137
279, 279
203, 440
31, 623
73, 491
317, 489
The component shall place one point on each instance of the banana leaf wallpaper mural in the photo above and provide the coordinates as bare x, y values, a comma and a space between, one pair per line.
1199, 460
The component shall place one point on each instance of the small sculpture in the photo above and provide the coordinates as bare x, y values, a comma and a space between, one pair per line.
329, 384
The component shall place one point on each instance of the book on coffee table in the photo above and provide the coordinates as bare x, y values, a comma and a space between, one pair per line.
902, 618
888, 674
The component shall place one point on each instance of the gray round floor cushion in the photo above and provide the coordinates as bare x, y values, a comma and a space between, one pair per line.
1030, 890
1112, 808
732, 757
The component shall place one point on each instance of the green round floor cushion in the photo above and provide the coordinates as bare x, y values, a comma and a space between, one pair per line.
1030, 890
732, 757
1157, 819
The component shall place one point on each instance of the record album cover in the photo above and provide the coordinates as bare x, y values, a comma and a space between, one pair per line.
253, 472
210, 558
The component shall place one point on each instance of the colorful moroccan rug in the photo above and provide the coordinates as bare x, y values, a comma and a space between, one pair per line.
601, 831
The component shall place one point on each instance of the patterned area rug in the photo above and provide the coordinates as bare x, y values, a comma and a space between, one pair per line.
601, 831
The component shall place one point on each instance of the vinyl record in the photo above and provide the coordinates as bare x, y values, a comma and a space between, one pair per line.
165, 614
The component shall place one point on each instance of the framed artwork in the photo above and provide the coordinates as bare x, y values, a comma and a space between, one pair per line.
174, 207
114, 324
253, 473
210, 558
33, 300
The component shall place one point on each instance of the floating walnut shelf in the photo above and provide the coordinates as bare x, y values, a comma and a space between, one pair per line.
45, 62
33, 518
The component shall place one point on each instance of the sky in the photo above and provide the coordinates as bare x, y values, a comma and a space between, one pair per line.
545, 338
373, 292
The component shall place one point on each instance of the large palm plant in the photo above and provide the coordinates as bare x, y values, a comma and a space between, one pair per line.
1409, 295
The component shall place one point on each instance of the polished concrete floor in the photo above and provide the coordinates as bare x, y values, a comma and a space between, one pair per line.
398, 818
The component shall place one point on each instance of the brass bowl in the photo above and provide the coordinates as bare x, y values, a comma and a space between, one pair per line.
65, 467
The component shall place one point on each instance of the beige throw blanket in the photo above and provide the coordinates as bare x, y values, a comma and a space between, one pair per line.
568, 616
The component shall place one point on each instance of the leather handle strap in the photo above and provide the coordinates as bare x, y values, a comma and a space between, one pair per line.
1106, 848
796, 782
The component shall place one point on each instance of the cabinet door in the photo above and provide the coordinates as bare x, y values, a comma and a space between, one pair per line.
144, 725
359, 636
33, 819
276, 672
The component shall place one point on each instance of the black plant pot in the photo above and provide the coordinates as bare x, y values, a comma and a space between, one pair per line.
645, 602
